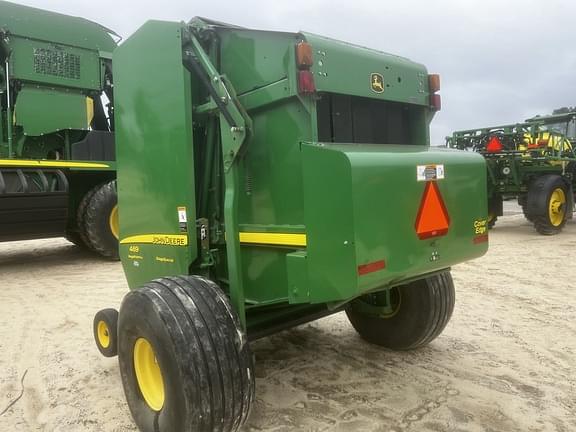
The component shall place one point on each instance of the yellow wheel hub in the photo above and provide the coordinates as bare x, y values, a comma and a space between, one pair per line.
103, 334
113, 221
148, 374
557, 207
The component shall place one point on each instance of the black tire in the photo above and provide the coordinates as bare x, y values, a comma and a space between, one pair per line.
492, 218
75, 238
528, 216
424, 308
204, 359
96, 221
540, 199
81, 217
494, 210
105, 328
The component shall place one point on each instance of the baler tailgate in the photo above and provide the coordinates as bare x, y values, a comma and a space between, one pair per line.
379, 214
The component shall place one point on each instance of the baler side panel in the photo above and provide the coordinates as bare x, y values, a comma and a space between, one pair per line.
254, 59
271, 195
155, 150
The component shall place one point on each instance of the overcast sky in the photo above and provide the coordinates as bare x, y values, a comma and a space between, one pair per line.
500, 61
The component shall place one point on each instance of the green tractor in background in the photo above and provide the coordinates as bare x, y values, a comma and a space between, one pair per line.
57, 155
268, 179
533, 162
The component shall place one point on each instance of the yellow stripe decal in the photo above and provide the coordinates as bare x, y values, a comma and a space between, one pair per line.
158, 239
279, 239
50, 164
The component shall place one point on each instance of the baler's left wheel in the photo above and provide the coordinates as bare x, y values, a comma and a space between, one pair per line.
405, 317
184, 359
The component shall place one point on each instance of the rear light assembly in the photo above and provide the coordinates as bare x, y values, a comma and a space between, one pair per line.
433, 88
435, 102
306, 82
304, 58
434, 83
304, 61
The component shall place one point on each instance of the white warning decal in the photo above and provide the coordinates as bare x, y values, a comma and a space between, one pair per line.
182, 220
182, 217
429, 172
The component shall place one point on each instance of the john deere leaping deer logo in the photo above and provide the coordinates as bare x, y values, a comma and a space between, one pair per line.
377, 82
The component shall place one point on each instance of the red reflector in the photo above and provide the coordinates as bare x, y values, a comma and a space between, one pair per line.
371, 267
306, 82
433, 219
481, 239
494, 145
436, 102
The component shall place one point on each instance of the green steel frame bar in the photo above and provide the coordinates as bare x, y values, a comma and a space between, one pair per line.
8, 109
235, 126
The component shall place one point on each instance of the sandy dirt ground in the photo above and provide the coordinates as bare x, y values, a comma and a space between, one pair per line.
506, 361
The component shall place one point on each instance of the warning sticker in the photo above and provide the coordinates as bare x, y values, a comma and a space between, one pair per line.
182, 220
429, 172
182, 217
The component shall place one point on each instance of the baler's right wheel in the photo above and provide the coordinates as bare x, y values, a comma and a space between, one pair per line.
101, 220
407, 317
184, 359
492, 218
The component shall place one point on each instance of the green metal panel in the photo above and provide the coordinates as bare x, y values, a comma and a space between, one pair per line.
49, 63
154, 152
404, 80
254, 58
35, 110
361, 207
43, 25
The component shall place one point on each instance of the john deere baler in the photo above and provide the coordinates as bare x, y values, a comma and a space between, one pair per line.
267, 179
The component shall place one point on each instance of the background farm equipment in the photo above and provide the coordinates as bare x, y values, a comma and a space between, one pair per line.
533, 162
57, 169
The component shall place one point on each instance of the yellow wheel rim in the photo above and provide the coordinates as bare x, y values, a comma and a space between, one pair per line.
557, 207
114, 224
148, 374
103, 334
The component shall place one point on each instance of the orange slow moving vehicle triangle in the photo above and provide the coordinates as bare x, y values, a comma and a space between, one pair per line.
433, 219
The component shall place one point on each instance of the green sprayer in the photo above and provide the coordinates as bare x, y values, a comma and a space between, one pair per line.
533, 162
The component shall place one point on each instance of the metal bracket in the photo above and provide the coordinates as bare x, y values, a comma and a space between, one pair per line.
235, 124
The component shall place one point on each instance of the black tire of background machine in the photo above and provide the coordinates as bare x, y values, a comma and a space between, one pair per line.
81, 217
97, 220
537, 201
